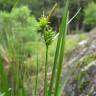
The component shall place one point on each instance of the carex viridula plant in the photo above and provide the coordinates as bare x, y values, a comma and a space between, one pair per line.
48, 35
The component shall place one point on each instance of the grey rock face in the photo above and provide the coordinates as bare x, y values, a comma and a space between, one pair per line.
81, 70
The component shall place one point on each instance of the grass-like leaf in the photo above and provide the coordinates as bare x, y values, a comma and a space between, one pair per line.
63, 31
59, 54
3, 79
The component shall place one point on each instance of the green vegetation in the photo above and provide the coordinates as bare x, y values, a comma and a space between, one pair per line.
87, 60
90, 14
30, 48
46, 5
17, 29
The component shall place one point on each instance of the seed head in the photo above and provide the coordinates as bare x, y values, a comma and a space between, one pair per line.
43, 22
48, 37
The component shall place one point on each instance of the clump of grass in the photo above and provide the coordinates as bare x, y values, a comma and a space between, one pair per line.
48, 35
59, 54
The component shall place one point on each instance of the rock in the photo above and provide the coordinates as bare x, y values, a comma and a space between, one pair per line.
81, 69
93, 32
82, 42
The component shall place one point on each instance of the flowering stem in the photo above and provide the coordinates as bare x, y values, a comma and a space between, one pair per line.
46, 70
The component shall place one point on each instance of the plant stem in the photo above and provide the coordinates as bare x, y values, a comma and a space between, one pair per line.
46, 70
36, 85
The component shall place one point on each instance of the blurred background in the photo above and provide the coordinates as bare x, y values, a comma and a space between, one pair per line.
85, 21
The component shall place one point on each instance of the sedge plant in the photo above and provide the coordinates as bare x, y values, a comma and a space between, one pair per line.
59, 54
48, 35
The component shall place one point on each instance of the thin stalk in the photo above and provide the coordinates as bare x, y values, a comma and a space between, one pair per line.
52, 11
46, 70
69, 22
36, 85
74, 16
